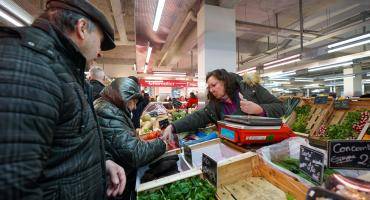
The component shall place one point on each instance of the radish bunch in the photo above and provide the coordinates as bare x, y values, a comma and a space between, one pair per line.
360, 125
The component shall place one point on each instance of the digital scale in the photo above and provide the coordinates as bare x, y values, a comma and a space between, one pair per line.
253, 133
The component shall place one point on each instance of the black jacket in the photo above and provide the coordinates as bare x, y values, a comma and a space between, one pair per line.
118, 130
51, 147
213, 110
97, 87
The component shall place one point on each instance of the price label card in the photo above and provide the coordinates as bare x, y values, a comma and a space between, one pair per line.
349, 154
312, 163
164, 123
321, 100
341, 104
209, 169
188, 155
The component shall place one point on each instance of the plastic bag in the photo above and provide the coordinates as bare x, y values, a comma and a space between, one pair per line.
154, 109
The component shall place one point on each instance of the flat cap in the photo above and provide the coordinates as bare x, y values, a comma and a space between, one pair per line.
88, 10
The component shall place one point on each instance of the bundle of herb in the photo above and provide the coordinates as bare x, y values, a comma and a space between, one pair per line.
193, 188
302, 118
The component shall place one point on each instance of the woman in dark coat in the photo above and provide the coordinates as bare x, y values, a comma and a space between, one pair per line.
113, 110
228, 94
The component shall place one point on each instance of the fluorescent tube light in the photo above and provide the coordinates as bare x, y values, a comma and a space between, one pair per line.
279, 79
148, 54
16, 10
334, 78
166, 73
135, 67
250, 70
324, 67
158, 14
281, 60
349, 40
170, 75
303, 79
288, 73
10, 19
272, 74
283, 63
145, 68
349, 46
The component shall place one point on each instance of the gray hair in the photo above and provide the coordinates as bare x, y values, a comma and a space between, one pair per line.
96, 73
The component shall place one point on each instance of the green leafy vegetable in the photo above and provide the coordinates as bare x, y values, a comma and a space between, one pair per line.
193, 188
302, 118
344, 130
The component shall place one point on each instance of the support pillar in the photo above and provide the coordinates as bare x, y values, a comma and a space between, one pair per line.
352, 85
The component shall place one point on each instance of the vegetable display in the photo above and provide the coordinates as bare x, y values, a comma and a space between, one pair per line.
292, 165
178, 115
302, 118
350, 128
193, 188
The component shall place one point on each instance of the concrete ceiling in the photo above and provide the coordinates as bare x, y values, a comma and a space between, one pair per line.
174, 44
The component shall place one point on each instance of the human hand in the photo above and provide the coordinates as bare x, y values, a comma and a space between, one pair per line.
116, 178
167, 134
249, 107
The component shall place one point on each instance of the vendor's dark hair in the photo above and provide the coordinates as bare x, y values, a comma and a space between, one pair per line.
66, 20
192, 95
230, 83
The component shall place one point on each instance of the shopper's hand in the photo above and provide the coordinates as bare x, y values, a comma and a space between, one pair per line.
249, 107
167, 134
116, 178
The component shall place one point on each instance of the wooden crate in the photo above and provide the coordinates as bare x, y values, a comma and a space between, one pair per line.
251, 165
337, 117
318, 115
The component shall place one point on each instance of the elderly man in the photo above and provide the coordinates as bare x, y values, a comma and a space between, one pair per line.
96, 79
51, 146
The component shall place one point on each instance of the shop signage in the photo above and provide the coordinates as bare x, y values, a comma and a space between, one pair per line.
321, 99
312, 163
167, 83
187, 155
349, 154
209, 169
341, 104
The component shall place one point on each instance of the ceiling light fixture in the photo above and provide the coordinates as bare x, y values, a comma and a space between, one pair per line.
158, 14
170, 74
17, 11
10, 19
148, 53
303, 79
330, 66
339, 77
283, 61
349, 43
250, 70
145, 68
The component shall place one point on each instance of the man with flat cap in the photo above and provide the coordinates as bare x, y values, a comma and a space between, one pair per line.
50, 144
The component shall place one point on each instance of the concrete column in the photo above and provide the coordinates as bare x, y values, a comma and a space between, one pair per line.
308, 92
216, 34
352, 85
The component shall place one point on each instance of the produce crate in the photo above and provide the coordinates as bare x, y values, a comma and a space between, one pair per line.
336, 117
232, 176
218, 149
318, 115
185, 171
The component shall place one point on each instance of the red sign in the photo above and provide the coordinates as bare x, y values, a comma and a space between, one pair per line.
167, 83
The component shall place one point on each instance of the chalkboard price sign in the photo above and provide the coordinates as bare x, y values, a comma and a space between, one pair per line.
209, 169
341, 104
164, 123
321, 99
187, 154
349, 154
312, 163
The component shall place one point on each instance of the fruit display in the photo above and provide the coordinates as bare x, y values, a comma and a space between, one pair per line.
302, 118
350, 128
190, 188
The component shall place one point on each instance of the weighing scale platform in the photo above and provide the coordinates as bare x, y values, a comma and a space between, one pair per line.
242, 134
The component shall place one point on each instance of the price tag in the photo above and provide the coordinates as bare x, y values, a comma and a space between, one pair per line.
341, 104
321, 100
349, 154
311, 162
209, 169
188, 155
